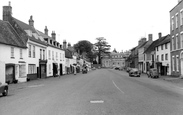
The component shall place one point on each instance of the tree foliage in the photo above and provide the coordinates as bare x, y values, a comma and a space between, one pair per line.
102, 47
83, 46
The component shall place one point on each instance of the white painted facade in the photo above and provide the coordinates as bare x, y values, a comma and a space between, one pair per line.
16, 56
2, 72
161, 56
55, 55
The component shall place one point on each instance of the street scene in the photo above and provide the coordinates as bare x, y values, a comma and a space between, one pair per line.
99, 92
98, 57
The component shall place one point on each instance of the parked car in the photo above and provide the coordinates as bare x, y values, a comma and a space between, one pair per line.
4, 88
134, 72
128, 69
153, 73
117, 68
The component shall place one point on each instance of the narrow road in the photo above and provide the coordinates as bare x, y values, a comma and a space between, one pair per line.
100, 92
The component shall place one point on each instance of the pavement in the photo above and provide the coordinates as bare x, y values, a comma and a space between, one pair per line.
178, 81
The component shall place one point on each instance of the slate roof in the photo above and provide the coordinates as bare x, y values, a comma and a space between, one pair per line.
142, 45
9, 36
25, 26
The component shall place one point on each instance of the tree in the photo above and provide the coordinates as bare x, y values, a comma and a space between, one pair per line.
102, 47
83, 46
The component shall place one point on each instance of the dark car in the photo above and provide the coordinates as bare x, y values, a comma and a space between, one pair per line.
153, 73
134, 72
4, 88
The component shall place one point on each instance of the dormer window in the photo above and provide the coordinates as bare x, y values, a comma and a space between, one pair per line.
51, 42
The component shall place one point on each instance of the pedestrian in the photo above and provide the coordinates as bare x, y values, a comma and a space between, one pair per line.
75, 70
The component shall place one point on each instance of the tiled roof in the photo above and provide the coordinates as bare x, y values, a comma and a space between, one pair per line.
9, 36
153, 45
164, 40
68, 54
25, 26
143, 44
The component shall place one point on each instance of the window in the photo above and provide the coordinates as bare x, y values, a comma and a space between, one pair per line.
173, 66
161, 47
176, 20
157, 58
29, 50
21, 57
173, 43
166, 56
56, 55
157, 48
177, 62
49, 54
12, 52
162, 57
60, 57
181, 38
166, 46
34, 54
49, 68
52, 55
177, 42
152, 57
181, 17
41, 54
172, 23
32, 69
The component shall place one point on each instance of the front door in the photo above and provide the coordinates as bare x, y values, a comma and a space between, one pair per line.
61, 70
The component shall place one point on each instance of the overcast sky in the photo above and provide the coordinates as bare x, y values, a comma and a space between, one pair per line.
121, 22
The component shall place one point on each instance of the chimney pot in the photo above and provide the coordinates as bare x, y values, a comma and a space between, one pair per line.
46, 30
150, 37
53, 35
31, 21
159, 34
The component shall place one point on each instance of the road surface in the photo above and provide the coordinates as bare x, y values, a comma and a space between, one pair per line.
100, 92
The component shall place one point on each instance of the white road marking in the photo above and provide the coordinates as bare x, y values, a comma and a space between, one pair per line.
117, 87
36, 85
97, 101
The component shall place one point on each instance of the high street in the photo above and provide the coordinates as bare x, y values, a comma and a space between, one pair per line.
99, 92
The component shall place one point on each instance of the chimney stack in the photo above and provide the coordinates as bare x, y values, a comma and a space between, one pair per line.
46, 30
150, 37
7, 12
53, 34
69, 45
159, 34
64, 44
31, 21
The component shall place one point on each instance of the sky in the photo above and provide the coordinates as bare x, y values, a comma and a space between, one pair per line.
121, 22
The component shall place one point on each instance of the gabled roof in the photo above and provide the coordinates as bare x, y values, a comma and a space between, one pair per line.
68, 54
25, 26
142, 45
165, 39
9, 36
153, 45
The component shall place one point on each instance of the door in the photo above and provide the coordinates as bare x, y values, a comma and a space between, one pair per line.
61, 71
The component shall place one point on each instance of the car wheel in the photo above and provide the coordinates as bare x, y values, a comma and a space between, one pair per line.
5, 92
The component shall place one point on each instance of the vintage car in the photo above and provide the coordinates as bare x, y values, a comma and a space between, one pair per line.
4, 89
128, 69
153, 73
134, 72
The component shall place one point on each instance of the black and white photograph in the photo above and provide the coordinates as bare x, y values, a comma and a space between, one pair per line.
91, 57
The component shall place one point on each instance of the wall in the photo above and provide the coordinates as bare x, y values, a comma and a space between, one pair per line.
2, 72
5, 57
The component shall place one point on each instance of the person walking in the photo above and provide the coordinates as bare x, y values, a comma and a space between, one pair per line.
75, 70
